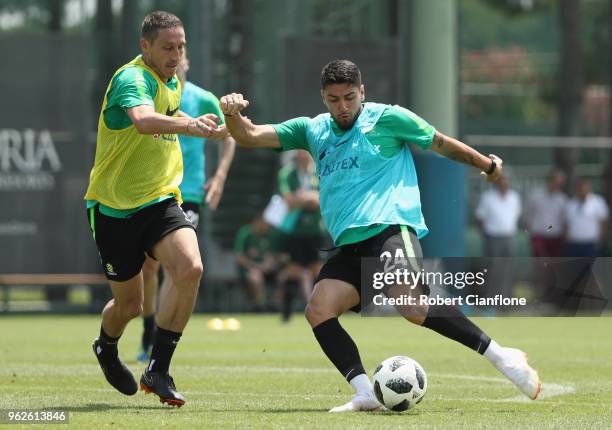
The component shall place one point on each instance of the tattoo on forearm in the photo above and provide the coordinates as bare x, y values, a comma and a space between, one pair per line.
462, 157
440, 142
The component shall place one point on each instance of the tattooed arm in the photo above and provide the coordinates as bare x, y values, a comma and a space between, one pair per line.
458, 151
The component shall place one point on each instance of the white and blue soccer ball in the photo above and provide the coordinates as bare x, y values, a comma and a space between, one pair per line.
399, 383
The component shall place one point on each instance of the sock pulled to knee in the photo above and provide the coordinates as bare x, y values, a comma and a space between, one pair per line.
163, 349
339, 348
106, 338
451, 323
107, 344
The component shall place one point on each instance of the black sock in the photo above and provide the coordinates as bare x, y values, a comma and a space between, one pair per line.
108, 343
339, 348
163, 348
289, 288
451, 323
148, 332
106, 338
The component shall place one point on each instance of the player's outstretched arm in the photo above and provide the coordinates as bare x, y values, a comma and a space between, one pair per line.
242, 129
490, 167
147, 121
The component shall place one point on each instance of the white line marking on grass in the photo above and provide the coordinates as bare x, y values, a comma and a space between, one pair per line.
548, 390
262, 369
303, 396
521, 399
468, 377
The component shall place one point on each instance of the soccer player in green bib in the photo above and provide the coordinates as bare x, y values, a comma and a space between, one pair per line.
370, 203
133, 203
195, 189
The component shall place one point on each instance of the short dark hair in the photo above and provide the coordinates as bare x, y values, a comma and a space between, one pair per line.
340, 72
156, 21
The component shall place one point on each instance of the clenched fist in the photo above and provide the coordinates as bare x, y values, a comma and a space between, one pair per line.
232, 103
494, 176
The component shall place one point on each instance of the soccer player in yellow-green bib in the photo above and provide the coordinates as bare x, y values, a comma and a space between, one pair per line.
195, 189
133, 203
370, 203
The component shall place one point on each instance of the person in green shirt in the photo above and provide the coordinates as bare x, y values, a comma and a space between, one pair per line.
195, 189
133, 203
298, 184
370, 203
255, 248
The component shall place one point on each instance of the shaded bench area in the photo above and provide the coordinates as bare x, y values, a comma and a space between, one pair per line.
52, 292
89, 292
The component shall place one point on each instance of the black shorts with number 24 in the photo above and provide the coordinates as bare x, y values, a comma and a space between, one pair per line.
346, 266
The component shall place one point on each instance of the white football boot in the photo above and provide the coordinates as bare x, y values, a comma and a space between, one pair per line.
363, 401
513, 364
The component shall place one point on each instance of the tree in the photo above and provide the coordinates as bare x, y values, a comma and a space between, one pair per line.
56, 9
571, 83
51, 18
105, 50
129, 30
608, 171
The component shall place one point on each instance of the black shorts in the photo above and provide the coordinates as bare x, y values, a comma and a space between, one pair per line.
303, 250
192, 210
123, 242
345, 265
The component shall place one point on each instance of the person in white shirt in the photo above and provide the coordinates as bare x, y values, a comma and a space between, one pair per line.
544, 216
586, 222
498, 213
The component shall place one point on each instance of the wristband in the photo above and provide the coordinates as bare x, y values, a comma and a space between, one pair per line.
491, 168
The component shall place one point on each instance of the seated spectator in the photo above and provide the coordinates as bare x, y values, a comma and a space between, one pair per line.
255, 249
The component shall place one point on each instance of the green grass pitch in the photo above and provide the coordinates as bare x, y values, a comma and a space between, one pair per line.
269, 375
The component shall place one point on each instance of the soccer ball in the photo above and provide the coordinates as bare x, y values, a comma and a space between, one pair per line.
399, 383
